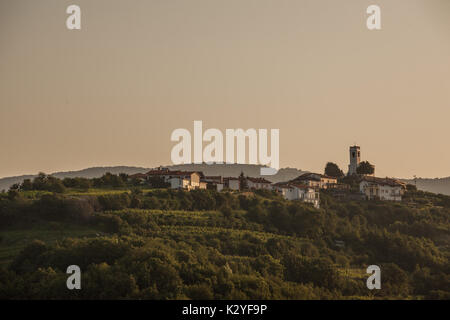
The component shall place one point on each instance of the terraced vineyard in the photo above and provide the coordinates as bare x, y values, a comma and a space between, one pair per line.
15, 240
165, 244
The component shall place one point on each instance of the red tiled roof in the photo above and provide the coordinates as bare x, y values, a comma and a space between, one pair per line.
172, 173
384, 181
281, 184
258, 180
301, 186
292, 185
212, 179
138, 175
157, 173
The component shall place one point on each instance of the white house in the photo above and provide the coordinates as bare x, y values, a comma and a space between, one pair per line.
179, 183
215, 181
315, 180
179, 179
231, 183
292, 191
258, 183
382, 188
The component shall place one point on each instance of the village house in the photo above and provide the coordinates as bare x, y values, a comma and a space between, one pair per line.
315, 180
231, 183
213, 179
215, 182
189, 181
179, 179
382, 188
258, 183
294, 191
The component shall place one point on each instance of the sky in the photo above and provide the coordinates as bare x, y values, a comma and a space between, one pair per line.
113, 92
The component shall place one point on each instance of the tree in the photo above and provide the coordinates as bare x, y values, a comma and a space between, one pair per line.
14, 187
27, 185
226, 211
158, 182
333, 170
365, 168
242, 182
40, 181
54, 185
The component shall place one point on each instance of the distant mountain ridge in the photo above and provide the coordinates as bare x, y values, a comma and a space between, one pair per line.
226, 170
437, 185
93, 172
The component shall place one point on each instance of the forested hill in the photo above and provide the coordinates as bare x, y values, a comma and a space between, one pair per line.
141, 243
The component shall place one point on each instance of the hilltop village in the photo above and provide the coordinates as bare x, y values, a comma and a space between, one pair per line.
359, 183
252, 239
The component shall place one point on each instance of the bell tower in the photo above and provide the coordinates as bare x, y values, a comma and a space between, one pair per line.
355, 159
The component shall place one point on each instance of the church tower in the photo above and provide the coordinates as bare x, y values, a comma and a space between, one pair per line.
355, 159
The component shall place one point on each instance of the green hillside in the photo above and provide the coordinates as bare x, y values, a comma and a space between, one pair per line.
142, 243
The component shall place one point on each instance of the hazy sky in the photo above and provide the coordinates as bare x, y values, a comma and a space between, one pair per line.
112, 93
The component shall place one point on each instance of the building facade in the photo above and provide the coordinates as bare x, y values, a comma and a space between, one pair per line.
231, 183
382, 188
315, 180
258, 183
292, 191
179, 179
